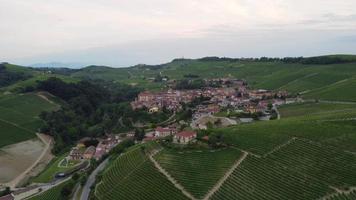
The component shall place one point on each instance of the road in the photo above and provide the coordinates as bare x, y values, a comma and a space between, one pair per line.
91, 180
275, 108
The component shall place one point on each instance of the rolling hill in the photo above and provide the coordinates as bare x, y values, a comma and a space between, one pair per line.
308, 154
309, 77
19, 119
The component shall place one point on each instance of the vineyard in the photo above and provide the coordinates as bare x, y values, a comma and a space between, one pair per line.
53, 193
133, 176
312, 108
258, 178
327, 164
300, 157
197, 171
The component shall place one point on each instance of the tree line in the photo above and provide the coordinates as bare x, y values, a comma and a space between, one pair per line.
91, 109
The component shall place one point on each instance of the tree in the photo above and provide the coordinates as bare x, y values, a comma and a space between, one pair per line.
75, 176
67, 190
139, 134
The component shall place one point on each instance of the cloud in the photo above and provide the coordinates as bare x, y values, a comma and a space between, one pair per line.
37, 28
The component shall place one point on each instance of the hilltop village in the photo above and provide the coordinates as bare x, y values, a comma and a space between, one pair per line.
230, 102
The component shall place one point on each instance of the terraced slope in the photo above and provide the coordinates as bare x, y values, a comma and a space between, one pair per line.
197, 171
133, 176
19, 116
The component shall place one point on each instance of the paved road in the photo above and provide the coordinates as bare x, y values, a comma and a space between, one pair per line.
91, 180
276, 109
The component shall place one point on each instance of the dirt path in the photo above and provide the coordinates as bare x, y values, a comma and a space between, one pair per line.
338, 192
45, 98
16, 125
169, 177
226, 176
168, 120
279, 147
47, 140
298, 79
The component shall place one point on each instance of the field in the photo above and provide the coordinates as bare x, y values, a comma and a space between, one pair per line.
19, 119
133, 176
16, 158
197, 170
53, 193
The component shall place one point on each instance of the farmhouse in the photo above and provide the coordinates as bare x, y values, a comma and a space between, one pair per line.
184, 137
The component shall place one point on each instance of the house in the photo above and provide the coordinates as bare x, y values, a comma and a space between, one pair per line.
246, 120
76, 154
153, 109
163, 132
89, 153
184, 137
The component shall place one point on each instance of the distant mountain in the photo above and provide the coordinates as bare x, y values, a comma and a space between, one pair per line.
59, 65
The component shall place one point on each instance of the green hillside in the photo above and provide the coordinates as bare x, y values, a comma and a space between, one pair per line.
133, 176
317, 77
19, 116
22, 77
198, 171
308, 154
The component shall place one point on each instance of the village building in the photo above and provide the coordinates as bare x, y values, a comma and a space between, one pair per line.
89, 153
184, 137
76, 154
162, 132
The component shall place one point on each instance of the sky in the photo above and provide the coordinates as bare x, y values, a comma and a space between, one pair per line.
122, 33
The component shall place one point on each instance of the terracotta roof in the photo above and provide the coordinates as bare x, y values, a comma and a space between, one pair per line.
186, 134
160, 129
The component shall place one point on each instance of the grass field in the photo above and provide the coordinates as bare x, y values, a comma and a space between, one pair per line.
51, 170
133, 176
19, 116
197, 171
53, 193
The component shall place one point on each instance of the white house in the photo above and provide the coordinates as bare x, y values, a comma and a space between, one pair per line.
184, 137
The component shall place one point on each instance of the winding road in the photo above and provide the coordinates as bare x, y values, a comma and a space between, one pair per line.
91, 180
